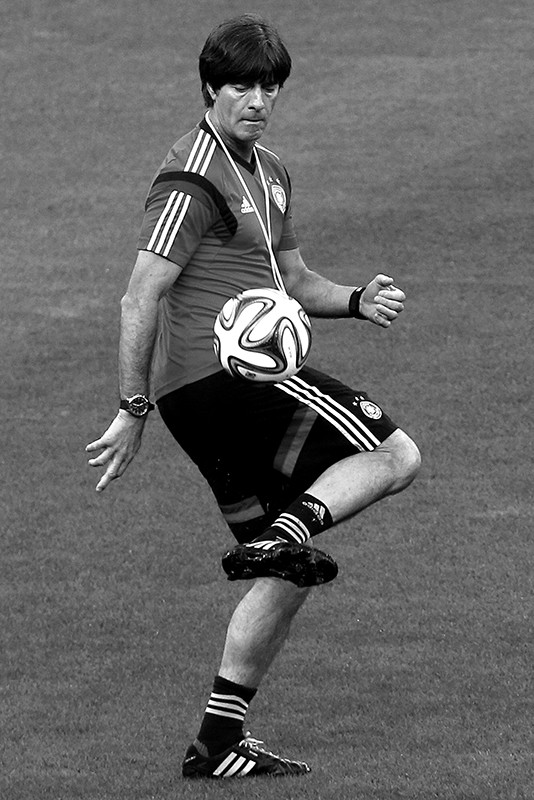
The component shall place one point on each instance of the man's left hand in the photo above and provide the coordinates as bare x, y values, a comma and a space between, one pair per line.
382, 302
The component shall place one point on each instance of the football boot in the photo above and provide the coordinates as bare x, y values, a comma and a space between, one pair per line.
297, 563
245, 758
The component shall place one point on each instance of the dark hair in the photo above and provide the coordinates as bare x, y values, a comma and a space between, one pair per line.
245, 50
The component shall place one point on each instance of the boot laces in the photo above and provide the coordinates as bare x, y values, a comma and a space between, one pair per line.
257, 744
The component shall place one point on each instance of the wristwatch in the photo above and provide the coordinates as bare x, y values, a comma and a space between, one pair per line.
138, 405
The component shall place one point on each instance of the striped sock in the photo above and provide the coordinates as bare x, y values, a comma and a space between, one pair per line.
304, 518
222, 725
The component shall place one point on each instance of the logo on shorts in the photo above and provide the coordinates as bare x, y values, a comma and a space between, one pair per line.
370, 410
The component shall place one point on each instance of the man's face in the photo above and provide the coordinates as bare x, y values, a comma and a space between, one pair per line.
241, 112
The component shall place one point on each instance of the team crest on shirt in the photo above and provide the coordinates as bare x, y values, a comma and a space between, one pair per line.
279, 196
370, 410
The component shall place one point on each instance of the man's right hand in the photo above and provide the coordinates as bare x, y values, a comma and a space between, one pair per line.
118, 446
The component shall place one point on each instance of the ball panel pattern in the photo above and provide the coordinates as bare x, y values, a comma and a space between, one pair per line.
262, 335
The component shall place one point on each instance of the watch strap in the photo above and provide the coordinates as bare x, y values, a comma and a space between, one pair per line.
354, 303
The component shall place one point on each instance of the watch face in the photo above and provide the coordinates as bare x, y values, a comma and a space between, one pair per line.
138, 405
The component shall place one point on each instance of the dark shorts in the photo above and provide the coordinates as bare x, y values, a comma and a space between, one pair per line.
261, 445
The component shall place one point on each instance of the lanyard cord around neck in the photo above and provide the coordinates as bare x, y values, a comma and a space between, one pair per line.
265, 228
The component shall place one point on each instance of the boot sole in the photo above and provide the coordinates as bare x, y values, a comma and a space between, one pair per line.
301, 565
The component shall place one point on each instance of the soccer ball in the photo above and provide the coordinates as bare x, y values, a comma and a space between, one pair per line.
262, 335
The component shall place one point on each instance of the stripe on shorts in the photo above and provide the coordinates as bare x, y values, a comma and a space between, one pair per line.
336, 414
242, 511
294, 440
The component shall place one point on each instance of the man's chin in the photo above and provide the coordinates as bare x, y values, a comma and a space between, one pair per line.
253, 130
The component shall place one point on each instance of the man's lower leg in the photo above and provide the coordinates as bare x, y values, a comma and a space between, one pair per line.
305, 517
257, 631
225, 713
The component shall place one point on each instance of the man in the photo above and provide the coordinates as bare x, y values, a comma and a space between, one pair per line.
285, 461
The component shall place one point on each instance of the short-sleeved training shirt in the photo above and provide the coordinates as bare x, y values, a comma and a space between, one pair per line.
199, 216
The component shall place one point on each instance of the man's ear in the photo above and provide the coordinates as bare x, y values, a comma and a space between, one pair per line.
211, 91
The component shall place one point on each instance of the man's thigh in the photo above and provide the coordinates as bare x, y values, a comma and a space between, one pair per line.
261, 445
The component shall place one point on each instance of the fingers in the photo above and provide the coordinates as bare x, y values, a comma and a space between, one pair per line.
389, 301
392, 293
382, 320
386, 288
388, 308
103, 457
96, 445
100, 460
103, 482
111, 474
108, 456
115, 449
116, 467
384, 280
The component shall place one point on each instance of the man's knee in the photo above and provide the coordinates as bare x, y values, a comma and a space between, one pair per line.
404, 456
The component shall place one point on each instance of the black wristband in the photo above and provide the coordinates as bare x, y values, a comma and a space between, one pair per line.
354, 303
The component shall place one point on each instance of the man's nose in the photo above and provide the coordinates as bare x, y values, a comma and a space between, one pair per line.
256, 99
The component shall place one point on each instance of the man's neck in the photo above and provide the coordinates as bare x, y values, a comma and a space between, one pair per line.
244, 150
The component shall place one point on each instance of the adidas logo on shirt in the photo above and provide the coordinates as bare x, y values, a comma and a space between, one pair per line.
246, 208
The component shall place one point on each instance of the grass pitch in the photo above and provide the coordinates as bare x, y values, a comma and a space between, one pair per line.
407, 130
